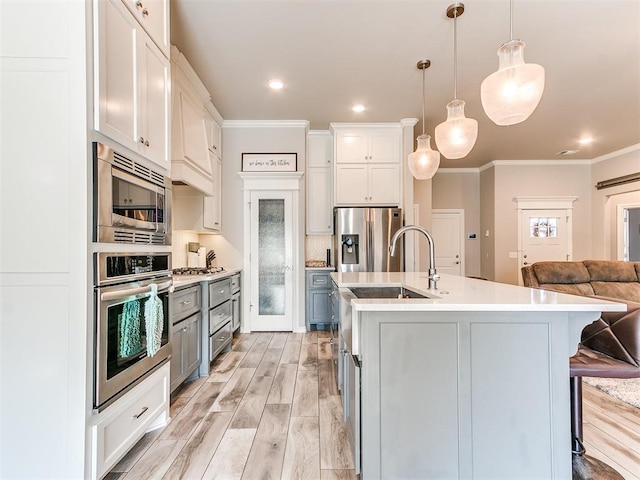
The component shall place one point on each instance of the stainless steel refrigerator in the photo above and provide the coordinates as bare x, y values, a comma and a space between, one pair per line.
362, 236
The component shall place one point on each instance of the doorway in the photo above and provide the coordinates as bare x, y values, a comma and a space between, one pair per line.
544, 230
629, 233
447, 230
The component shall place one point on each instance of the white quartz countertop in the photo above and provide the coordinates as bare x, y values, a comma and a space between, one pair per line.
180, 281
456, 293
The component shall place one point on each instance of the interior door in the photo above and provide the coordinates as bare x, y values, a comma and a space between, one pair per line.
447, 231
544, 236
271, 261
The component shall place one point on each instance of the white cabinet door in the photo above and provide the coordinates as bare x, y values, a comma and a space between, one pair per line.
319, 201
384, 184
352, 147
384, 146
193, 142
320, 149
351, 184
153, 15
117, 81
212, 211
132, 85
155, 104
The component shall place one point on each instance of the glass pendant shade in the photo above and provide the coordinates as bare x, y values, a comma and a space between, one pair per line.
511, 94
424, 162
456, 137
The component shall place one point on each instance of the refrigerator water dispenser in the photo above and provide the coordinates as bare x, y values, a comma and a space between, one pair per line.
350, 249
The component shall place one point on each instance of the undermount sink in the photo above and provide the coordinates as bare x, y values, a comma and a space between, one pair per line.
385, 292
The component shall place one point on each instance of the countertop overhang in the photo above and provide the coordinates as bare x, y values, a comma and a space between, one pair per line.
180, 281
456, 293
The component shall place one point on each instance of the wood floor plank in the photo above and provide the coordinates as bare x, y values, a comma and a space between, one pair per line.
305, 397
283, 384
252, 404
251, 360
335, 449
224, 371
231, 455
613, 449
337, 475
278, 340
323, 334
156, 461
267, 452
137, 451
269, 363
177, 405
193, 459
188, 389
262, 342
324, 349
302, 454
618, 410
595, 453
188, 419
291, 351
233, 391
245, 343
310, 337
327, 382
619, 431
308, 356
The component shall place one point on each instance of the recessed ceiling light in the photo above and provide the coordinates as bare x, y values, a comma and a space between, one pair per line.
276, 84
358, 108
567, 152
585, 140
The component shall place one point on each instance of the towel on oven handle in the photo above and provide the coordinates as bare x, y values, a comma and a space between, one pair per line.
130, 337
154, 321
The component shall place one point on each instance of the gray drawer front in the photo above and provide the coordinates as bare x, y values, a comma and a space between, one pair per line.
235, 282
219, 292
318, 280
219, 316
219, 340
186, 302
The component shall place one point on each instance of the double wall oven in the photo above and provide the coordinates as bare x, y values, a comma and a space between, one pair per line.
125, 352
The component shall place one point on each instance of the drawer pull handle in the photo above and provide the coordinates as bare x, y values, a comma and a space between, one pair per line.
144, 409
221, 291
186, 302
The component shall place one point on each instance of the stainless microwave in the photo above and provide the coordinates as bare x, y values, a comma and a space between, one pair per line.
132, 203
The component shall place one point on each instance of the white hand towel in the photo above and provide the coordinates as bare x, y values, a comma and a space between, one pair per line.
154, 321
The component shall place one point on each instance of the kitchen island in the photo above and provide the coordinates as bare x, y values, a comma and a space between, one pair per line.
472, 382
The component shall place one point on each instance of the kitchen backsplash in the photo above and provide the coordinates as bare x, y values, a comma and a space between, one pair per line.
179, 246
316, 247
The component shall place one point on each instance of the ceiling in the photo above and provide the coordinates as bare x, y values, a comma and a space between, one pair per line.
334, 53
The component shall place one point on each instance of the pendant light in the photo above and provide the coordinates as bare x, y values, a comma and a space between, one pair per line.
456, 137
511, 94
424, 162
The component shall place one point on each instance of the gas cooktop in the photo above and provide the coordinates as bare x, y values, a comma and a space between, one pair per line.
197, 270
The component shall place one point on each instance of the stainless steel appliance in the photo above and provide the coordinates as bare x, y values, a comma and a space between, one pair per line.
123, 283
132, 203
362, 237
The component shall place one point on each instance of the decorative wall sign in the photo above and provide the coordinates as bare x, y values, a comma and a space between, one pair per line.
269, 162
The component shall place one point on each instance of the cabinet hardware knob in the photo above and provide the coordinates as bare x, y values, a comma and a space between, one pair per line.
146, 143
141, 140
145, 12
139, 4
457, 263
214, 147
144, 409
186, 302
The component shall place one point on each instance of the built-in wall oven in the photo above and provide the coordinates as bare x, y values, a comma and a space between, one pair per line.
131, 341
132, 202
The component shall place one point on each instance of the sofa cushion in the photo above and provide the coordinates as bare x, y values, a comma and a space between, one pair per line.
584, 289
619, 290
611, 271
561, 272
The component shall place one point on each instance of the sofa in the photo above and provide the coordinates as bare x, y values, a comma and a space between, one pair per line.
609, 347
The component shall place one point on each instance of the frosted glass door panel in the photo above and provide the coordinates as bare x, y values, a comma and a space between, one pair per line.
271, 260
271, 254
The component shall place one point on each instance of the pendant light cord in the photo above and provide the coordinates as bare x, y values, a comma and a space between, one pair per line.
423, 100
455, 54
511, 19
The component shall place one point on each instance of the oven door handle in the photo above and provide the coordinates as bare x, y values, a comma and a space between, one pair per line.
133, 291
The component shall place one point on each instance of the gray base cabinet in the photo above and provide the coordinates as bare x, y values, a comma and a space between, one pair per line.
186, 320
318, 288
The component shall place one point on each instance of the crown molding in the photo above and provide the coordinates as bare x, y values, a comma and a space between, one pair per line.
266, 124
617, 153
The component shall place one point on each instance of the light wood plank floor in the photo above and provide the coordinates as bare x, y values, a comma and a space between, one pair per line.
270, 409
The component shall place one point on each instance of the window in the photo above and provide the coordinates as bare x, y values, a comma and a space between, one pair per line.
543, 227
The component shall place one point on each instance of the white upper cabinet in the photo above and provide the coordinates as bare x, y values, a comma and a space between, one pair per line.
190, 134
153, 15
319, 175
132, 84
366, 145
213, 122
367, 164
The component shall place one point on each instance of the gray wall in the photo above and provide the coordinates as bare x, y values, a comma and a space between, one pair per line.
460, 189
487, 223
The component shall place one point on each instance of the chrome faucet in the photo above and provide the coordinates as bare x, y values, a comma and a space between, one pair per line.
433, 275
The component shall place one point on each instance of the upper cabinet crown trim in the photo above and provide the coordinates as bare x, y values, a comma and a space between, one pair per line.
265, 123
178, 58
